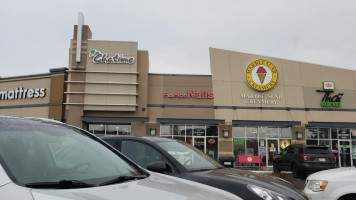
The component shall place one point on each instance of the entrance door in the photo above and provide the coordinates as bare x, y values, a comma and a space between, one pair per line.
272, 146
345, 153
199, 143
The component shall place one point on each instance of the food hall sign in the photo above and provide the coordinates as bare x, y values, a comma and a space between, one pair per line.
328, 100
261, 75
99, 57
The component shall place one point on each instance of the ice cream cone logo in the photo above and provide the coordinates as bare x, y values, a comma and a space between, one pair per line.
261, 72
261, 75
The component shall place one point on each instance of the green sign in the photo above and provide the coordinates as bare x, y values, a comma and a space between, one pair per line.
239, 141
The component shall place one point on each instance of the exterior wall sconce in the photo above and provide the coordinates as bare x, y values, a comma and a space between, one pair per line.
299, 135
226, 133
153, 131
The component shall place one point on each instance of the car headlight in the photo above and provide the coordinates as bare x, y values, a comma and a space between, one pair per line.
317, 186
266, 194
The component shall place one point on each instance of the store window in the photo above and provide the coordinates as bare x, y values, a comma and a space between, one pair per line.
203, 137
261, 141
341, 141
110, 129
238, 132
96, 128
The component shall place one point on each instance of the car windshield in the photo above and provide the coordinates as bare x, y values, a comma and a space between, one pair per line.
49, 152
190, 157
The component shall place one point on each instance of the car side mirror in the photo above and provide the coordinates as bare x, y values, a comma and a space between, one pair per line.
157, 166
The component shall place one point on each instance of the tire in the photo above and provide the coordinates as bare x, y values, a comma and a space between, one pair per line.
275, 169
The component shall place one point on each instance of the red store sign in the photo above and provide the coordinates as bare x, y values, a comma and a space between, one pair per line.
204, 94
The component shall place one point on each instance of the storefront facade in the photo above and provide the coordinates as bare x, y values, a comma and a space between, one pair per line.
39, 95
250, 105
269, 103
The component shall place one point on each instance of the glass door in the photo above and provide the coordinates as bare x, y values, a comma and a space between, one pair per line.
272, 146
345, 153
212, 147
199, 143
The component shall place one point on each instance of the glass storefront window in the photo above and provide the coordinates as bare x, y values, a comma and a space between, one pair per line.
251, 132
272, 132
343, 133
311, 133
239, 146
312, 142
334, 133
96, 128
189, 130
179, 130
251, 147
179, 138
111, 130
285, 132
334, 146
238, 131
199, 130
166, 130
324, 133
212, 131
262, 132
354, 152
324, 143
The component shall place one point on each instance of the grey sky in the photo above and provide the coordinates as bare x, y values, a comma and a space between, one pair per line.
35, 35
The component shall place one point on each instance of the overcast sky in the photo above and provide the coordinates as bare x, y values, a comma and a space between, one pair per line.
35, 35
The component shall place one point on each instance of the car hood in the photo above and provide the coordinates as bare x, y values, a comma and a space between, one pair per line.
236, 181
334, 174
155, 187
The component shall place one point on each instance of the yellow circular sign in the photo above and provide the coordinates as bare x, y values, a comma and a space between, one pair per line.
261, 75
249, 159
284, 144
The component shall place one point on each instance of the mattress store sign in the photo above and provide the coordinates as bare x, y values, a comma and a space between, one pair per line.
99, 57
21, 93
203, 94
328, 99
261, 75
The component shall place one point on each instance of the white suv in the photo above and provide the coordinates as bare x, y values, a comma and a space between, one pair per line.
337, 184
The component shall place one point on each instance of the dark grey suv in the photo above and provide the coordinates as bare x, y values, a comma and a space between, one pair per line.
179, 159
304, 159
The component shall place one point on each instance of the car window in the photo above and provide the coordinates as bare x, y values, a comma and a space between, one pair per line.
317, 150
143, 154
42, 152
189, 156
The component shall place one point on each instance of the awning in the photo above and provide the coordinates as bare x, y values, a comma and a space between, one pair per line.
265, 123
190, 121
114, 119
331, 124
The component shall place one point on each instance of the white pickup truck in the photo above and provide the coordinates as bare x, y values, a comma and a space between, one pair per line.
337, 184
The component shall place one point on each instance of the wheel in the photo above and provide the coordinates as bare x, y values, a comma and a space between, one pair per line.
275, 168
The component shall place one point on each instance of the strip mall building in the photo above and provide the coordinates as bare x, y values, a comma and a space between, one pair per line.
250, 105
